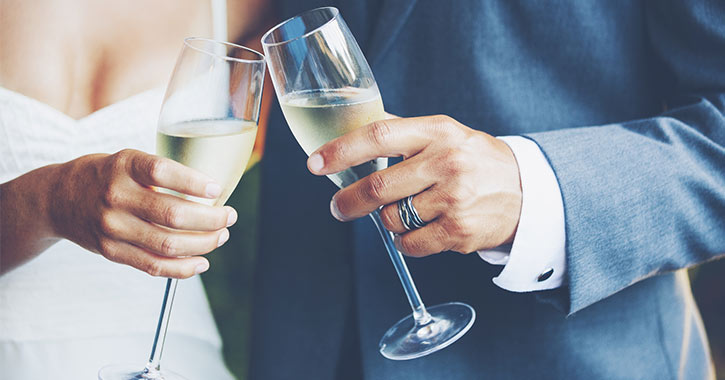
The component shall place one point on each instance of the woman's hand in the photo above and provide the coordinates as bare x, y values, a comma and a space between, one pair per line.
106, 204
465, 183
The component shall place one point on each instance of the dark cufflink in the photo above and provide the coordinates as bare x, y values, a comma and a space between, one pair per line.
545, 276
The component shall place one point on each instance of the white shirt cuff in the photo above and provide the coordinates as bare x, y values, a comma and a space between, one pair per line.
539, 244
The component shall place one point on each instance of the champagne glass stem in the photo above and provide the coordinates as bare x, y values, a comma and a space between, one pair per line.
154, 364
419, 312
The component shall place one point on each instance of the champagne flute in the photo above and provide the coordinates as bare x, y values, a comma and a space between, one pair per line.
326, 89
208, 122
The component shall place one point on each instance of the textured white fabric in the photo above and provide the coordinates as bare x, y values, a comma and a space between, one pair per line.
539, 243
68, 312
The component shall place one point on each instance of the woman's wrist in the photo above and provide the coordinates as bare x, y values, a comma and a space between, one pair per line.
26, 229
47, 197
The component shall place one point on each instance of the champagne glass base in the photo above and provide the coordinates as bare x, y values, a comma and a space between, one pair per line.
407, 340
131, 372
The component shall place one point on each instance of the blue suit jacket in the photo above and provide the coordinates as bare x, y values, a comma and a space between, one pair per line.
625, 99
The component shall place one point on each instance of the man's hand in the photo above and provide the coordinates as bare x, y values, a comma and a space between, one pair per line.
466, 183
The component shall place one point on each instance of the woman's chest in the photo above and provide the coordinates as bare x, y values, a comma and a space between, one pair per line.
80, 56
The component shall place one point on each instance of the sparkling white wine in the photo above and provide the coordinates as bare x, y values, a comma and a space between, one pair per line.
217, 148
318, 116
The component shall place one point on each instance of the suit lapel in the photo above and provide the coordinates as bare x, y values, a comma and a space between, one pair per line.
393, 15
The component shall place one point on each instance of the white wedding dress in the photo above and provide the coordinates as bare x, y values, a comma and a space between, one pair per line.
68, 312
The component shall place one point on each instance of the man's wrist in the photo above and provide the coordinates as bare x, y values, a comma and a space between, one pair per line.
537, 258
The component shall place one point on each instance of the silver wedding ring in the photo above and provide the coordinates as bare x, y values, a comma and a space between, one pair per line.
409, 215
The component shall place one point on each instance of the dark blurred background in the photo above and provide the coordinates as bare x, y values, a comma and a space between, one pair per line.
229, 285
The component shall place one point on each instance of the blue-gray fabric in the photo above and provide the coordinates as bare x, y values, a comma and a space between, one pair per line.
625, 99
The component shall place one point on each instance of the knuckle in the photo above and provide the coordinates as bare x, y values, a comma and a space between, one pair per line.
107, 223
375, 187
156, 168
112, 196
169, 246
172, 216
439, 240
389, 217
455, 227
154, 268
456, 162
448, 198
120, 159
379, 132
459, 193
125, 153
441, 124
335, 151
107, 249
408, 245
440, 234
461, 233
442, 119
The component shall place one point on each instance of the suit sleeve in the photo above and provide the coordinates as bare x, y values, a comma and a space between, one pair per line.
645, 197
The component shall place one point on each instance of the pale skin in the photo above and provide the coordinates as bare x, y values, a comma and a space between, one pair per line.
466, 182
87, 54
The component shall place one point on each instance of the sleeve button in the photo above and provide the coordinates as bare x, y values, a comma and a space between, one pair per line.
545, 275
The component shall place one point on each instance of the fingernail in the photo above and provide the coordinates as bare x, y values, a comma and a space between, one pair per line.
213, 190
335, 211
315, 163
201, 268
232, 217
223, 237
